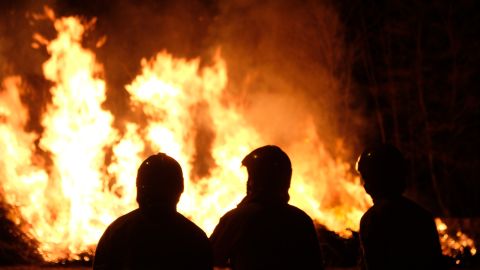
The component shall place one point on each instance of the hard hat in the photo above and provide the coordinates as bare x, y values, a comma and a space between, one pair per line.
159, 179
269, 168
383, 169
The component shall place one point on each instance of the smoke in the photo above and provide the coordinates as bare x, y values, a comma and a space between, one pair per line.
204, 136
287, 60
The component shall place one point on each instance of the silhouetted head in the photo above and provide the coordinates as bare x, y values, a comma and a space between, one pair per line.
159, 182
269, 171
383, 171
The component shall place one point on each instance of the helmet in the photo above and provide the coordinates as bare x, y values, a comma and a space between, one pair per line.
383, 170
269, 168
159, 180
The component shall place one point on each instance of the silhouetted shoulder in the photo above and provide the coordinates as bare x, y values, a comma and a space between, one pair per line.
399, 234
253, 208
395, 210
138, 241
270, 236
191, 227
298, 212
173, 220
124, 221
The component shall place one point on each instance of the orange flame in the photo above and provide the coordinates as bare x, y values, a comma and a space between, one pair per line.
454, 245
68, 199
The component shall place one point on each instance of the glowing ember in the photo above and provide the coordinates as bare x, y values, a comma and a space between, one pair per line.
455, 245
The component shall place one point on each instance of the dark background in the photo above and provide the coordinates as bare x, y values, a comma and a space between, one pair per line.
417, 67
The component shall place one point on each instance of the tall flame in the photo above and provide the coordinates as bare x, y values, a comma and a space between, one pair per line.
68, 196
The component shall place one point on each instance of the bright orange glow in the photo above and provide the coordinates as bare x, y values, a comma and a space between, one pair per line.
68, 196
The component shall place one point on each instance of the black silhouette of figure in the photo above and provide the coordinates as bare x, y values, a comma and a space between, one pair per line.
395, 233
155, 236
264, 231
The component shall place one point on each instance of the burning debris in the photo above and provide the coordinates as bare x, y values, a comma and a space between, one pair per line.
455, 243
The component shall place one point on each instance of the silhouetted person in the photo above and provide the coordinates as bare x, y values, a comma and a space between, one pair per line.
264, 231
155, 236
395, 233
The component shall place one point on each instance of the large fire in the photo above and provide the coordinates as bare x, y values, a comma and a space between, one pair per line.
67, 197
73, 179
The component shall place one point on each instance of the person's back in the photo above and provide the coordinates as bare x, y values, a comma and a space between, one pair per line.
395, 233
264, 231
266, 236
161, 240
399, 234
155, 236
